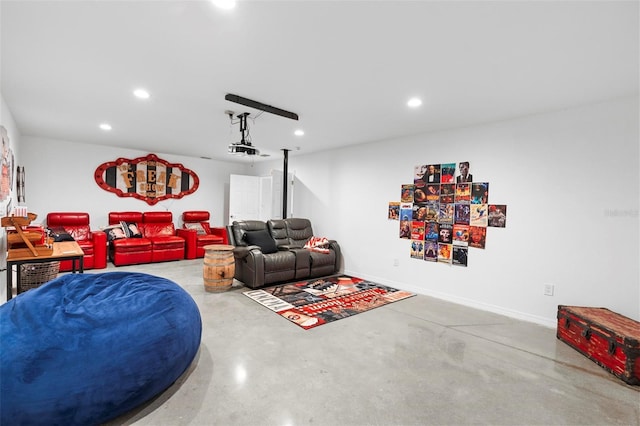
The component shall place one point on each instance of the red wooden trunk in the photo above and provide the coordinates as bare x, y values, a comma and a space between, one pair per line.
609, 339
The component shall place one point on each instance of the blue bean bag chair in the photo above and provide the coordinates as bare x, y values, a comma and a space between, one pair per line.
86, 348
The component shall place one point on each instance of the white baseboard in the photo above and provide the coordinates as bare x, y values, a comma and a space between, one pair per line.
547, 322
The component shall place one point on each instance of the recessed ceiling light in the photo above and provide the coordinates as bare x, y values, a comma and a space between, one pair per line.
141, 94
414, 102
224, 4
105, 126
299, 132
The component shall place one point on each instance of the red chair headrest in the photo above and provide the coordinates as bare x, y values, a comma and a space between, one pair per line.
116, 217
195, 216
67, 219
157, 217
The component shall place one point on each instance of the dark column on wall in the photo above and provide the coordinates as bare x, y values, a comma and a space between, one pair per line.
285, 179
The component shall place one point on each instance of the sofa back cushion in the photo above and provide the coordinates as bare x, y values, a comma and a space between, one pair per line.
76, 224
239, 227
278, 229
156, 224
79, 233
298, 231
157, 229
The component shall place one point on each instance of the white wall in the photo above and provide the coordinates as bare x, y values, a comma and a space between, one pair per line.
59, 177
570, 181
6, 120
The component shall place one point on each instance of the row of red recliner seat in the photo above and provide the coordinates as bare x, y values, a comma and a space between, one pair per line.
154, 237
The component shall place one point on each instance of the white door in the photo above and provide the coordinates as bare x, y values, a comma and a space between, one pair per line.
244, 198
258, 198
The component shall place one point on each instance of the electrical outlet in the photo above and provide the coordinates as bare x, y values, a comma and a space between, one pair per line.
396, 262
548, 289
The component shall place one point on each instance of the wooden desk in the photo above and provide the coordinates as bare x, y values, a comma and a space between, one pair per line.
64, 250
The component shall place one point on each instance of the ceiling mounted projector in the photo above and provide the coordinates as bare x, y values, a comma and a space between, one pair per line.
244, 146
242, 149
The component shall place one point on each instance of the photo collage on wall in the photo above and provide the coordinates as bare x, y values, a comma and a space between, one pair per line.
444, 212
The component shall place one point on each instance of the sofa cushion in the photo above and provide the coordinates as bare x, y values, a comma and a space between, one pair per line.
86, 246
299, 231
167, 242
157, 229
278, 229
204, 240
280, 261
131, 245
322, 259
79, 232
262, 239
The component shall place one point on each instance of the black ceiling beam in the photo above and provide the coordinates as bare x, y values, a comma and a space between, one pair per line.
262, 107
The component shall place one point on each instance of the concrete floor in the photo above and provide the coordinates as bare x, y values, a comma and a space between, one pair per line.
420, 361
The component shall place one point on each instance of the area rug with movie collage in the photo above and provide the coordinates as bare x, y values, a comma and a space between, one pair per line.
323, 300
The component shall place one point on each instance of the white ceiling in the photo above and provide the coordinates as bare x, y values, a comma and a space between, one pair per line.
346, 67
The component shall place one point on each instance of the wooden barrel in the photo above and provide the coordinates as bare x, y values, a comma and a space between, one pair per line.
219, 267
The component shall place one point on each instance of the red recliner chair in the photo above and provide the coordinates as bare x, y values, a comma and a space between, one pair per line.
166, 244
198, 233
93, 243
